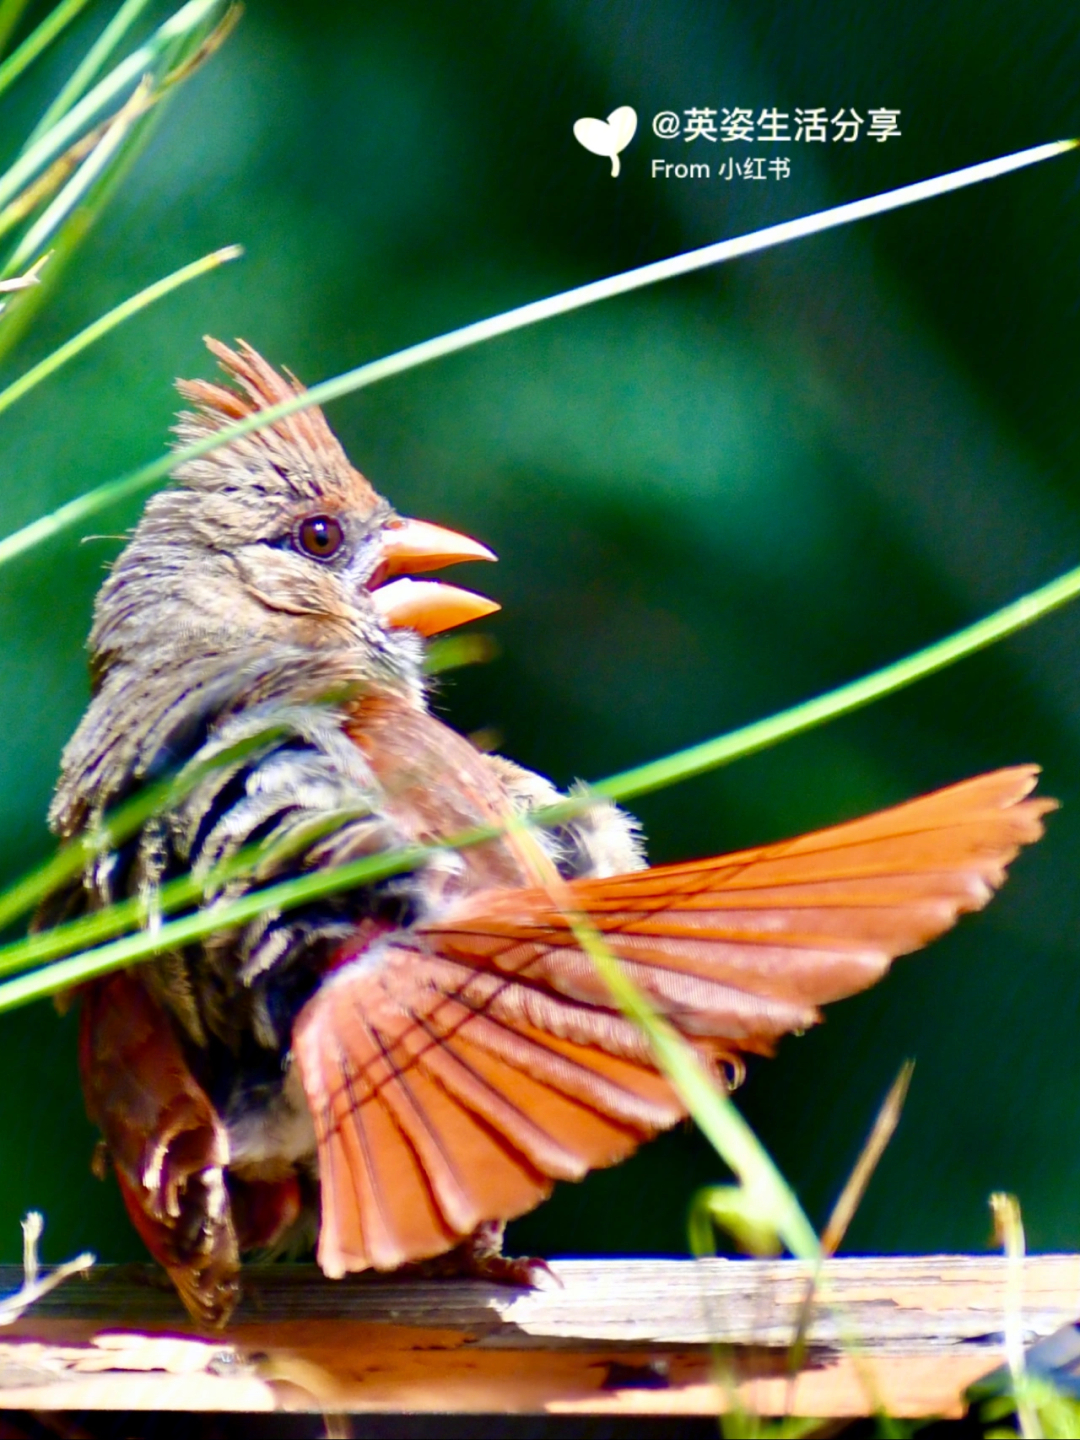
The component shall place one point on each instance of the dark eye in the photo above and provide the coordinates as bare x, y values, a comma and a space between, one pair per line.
320, 536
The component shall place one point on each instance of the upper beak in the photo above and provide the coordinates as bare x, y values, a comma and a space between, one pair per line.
408, 547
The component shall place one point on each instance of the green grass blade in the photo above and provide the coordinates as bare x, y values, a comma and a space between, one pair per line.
130, 70
140, 910
38, 40
121, 953
11, 12
87, 930
764, 1193
748, 740
94, 59
180, 61
132, 914
684, 765
111, 493
284, 896
113, 829
88, 173
110, 320
451, 652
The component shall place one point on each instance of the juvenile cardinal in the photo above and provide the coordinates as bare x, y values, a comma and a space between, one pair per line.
404, 1067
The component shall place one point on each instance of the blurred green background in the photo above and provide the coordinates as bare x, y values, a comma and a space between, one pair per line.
710, 500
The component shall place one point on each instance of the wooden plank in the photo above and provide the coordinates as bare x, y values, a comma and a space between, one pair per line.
617, 1337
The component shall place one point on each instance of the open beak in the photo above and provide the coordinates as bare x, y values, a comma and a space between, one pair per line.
410, 547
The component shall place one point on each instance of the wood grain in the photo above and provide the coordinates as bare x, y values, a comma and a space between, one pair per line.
620, 1337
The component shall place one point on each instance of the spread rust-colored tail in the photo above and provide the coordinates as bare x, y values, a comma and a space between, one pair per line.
452, 1081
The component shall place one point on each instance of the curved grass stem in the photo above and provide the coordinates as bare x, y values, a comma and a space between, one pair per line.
75, 511
39, 40
110, 320
91, 63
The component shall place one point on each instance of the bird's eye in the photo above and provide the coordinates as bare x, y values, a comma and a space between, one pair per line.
319, 536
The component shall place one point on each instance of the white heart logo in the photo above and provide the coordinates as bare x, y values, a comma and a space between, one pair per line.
607, 137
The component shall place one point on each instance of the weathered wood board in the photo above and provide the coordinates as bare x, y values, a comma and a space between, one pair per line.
622, 1337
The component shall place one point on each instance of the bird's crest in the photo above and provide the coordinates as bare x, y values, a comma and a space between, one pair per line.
301, 447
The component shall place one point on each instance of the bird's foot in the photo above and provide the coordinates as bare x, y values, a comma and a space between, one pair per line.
480, 1257
530, 1272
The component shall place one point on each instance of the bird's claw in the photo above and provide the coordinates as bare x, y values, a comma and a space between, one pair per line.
480, 1257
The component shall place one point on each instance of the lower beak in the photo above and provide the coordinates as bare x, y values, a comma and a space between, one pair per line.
409, 547
429, 606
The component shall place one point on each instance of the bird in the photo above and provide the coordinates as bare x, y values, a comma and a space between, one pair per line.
392, 1073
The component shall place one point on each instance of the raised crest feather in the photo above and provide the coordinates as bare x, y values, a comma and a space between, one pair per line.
302, 447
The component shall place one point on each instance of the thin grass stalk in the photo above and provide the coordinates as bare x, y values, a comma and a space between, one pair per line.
84, 178
113, 829
54, 175
144, 60
765, 1198
11, 12
19, 315
91, 63
843, 1212
101, 327
82, 218
762, 734
50, 180
1010, 1233
877, 1142
38, 40
426, 351
35, 1285
140, 910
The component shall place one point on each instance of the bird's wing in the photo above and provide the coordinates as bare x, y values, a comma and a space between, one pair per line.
736, 946
453, 1078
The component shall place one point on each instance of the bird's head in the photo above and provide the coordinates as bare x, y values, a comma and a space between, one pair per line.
274, 539
270, 574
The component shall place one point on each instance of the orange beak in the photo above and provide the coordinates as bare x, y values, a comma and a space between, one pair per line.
408, 547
